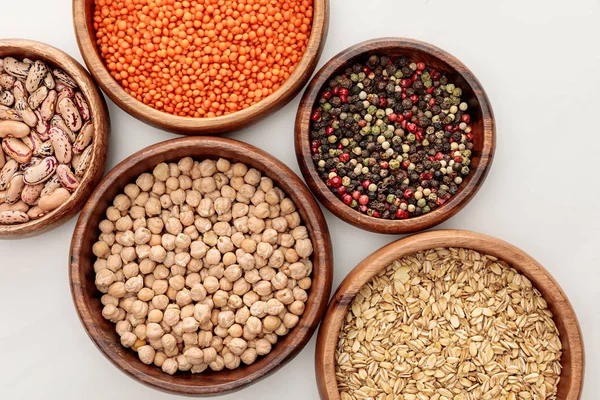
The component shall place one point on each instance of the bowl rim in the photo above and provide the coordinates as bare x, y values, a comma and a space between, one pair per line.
352, 216
322, 263
101, 118
381, 258
202, 126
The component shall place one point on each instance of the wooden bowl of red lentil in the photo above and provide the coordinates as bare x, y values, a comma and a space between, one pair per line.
481, 123
211, 96
87, 297
554, 300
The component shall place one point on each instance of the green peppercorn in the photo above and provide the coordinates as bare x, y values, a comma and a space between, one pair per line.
326, 107
421, 203
371, 109
394, 164
380, 113
335, 125
457, 92
411, 137
354, 77
354, 204
332, 139
390, 198
396, 141
375, 130
426, 209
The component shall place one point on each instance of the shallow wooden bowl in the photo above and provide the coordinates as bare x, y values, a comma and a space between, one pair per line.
482, 122
83, 11
571, 380
35, 50
87, 297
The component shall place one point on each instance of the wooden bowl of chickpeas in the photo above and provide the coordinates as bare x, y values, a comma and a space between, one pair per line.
200, 265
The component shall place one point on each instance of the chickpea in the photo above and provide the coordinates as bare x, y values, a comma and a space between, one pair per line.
220, 298
169, 366
296, 308
154, 331
263, 347
160, 302
190, 324
161, 172
271, 323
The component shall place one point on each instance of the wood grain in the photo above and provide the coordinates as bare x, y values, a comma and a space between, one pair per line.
571, 381
83, 11
482, 123
87, 297
26, 48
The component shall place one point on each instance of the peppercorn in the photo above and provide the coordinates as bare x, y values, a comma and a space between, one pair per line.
372, 136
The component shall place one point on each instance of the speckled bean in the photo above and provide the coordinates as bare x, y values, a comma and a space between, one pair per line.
41, 172
46, 149
62, 77
36, 212
48, 107
13, 217
31, 193
16, 68
54, 200
15, 187
50, 186
49, 81
2, 158
37, 98
13, 129
16, 149
66, 177
59, 122
9, 114
19, 91
42, 126
7, 81
7, 172
18, 206
82, 106
33, 141
7, 98
61, 144
84, 138
25, 112
36, 75
83, 162
69, 113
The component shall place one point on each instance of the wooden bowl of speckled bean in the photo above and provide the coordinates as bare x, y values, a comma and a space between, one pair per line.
482, 122
39, 51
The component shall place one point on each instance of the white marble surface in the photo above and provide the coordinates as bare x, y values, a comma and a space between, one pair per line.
539, 63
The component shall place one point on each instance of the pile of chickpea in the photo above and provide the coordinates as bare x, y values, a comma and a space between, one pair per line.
202, 265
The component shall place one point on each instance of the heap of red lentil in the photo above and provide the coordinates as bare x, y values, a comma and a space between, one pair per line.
202, 58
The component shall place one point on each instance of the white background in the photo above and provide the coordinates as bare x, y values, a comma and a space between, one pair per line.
539, 62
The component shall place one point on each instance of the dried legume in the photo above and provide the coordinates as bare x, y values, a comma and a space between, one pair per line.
202, 265
42, 112
202, 58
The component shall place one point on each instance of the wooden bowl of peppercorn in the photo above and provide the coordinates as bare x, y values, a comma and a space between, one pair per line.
394, 135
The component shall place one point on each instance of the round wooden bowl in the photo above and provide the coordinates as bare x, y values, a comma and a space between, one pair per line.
87, 297
35, 50
482, 122
571, 380
83, 11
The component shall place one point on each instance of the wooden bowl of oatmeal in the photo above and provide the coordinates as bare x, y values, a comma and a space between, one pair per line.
391, 351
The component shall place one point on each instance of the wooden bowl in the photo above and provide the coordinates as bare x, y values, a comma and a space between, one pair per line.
571, 380
482, 122
27, 48
87, 297
83, 11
